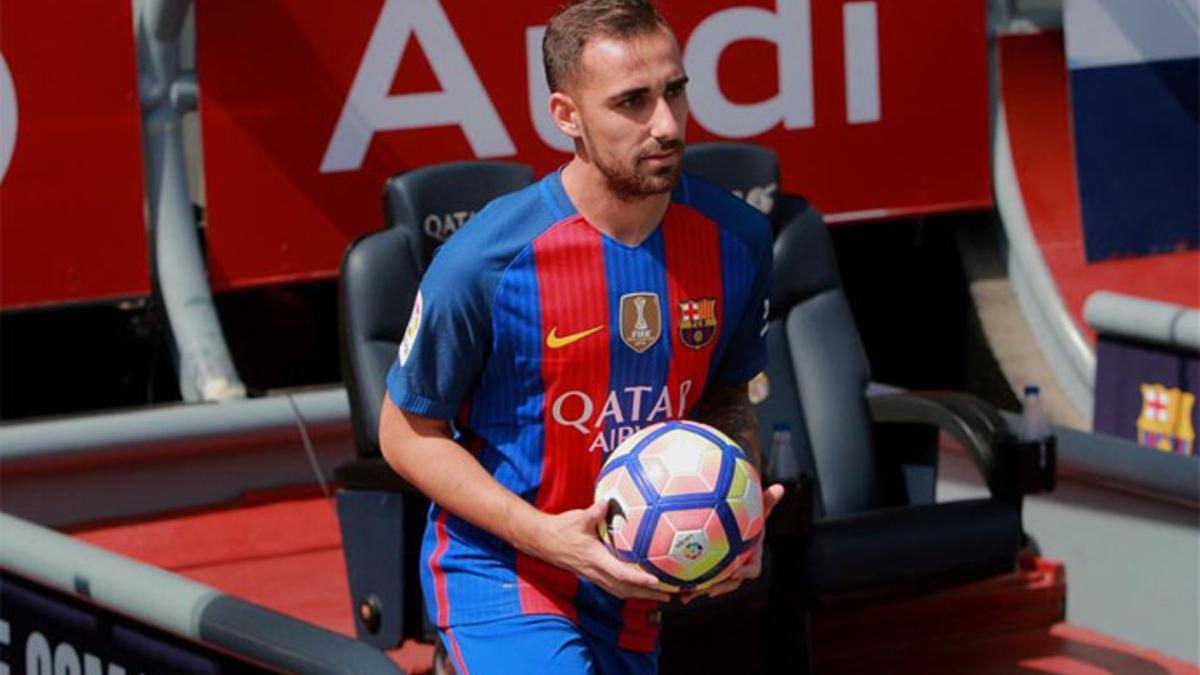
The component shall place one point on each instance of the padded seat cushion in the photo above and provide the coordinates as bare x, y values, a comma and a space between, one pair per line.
914, 546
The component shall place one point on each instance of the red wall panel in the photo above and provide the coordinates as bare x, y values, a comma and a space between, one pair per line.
71, 219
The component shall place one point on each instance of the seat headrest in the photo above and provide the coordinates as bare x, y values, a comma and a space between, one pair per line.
436, 200
749, 171
804, 263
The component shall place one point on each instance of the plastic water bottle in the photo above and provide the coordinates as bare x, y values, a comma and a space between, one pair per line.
782, 465
1034, 427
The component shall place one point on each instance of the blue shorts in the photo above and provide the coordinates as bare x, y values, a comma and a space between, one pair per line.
539, 643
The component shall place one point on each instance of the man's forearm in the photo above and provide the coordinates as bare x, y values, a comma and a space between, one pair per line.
728, 408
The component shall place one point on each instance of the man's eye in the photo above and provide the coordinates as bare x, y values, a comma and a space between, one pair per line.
674, 91
631, 103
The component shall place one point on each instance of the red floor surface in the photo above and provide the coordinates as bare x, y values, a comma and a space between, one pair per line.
1037, 104
283, 555
1059, 649
286, 555
1010, 624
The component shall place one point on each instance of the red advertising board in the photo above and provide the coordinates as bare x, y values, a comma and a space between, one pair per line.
876, 108
71, 218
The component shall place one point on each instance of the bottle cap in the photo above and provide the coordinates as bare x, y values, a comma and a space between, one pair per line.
1031, 389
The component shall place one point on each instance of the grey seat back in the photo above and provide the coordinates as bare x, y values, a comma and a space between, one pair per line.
749, 171
819, 374
435, 201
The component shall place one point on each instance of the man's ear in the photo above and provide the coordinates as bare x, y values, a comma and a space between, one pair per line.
565, 114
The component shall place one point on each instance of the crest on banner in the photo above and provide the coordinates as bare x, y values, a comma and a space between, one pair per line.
1166, 419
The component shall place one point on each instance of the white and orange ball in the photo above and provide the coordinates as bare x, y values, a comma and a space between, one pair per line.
685, 504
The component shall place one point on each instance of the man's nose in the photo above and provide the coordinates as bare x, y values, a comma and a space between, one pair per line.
665, 125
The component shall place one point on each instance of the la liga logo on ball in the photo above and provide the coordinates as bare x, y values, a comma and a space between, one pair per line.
684, 503
690, 548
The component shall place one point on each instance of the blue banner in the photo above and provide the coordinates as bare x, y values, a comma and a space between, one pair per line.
1135, 91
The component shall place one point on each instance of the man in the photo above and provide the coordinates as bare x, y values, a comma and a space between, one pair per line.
547, 328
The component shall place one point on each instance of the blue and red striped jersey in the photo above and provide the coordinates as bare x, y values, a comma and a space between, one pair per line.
551, 342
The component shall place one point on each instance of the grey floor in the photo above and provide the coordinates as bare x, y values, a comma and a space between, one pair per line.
1133, 563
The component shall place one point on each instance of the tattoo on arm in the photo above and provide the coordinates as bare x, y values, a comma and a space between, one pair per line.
728, 408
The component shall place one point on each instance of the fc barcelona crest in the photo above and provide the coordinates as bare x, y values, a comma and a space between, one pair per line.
697, 322
641, 320
1166, 420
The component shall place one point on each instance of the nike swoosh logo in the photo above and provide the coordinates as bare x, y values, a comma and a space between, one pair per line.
553, 341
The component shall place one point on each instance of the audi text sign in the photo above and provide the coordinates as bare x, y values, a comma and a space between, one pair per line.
877, 109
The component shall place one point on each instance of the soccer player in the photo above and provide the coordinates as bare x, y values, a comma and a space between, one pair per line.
612, 294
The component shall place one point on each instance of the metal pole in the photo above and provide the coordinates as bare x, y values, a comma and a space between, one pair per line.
205, 368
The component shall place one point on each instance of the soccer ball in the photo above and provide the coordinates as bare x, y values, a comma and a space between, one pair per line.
684, 503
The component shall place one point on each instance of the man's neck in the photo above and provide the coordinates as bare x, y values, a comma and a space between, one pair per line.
628, 221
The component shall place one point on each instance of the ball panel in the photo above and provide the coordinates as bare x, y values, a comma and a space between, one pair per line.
657, 474
693, 484
721, 576
681, 462
626, 516
608, 482
718, 545
688, 544
745, 500
738, 482
624, 533
660, 541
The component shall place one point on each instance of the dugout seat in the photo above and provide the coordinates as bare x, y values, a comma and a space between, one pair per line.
752, 173
381, 517
860, 522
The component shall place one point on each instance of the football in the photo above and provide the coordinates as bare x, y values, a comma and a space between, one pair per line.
684, 503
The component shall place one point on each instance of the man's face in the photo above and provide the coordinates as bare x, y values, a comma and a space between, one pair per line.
632, 105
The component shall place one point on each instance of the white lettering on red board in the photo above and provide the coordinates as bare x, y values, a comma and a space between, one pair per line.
539, 93
861, 49
8, 117
789, 27
464, 102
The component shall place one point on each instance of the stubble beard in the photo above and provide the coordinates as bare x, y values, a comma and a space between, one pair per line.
629, 184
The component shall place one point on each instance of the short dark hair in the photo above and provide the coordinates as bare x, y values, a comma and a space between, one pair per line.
578, 20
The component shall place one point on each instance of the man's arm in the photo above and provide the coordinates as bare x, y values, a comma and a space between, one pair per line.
727, 407
421, 450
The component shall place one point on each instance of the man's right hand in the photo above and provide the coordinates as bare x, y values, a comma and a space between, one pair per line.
569, 540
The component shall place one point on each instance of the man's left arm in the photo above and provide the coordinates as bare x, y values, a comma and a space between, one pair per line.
727, 407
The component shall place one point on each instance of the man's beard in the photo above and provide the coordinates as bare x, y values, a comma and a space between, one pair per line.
630, 185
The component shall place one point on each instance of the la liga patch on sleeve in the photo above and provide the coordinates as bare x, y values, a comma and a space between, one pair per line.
410, 332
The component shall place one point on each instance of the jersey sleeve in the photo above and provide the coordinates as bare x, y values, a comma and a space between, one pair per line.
445, 342
746, 355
